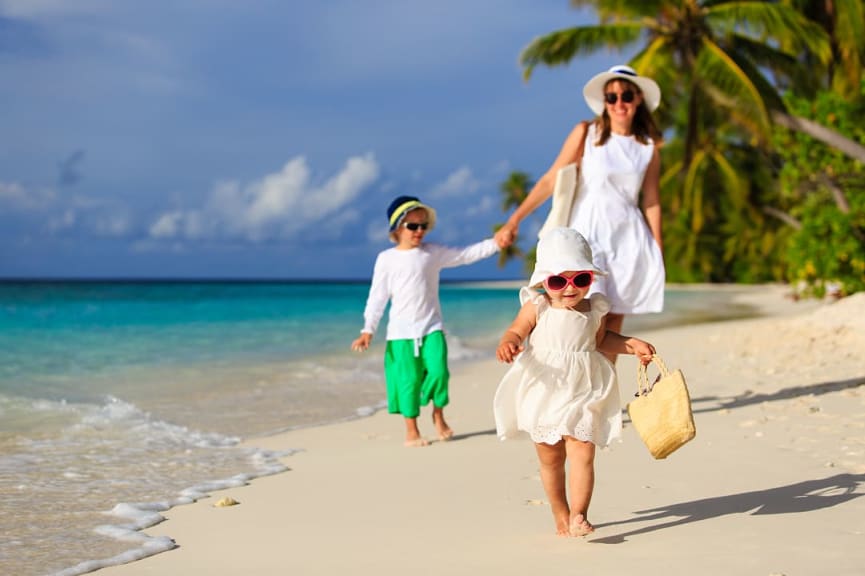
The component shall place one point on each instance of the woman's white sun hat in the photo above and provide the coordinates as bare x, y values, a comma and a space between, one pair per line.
562, 250
593, 91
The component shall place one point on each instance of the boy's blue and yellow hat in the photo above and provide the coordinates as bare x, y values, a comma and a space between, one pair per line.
402, 205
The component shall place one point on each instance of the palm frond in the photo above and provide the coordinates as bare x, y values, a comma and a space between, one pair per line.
850, 36
615, 10
693, 191
560, 47
773, 20
717, 69
786, 69
731, 181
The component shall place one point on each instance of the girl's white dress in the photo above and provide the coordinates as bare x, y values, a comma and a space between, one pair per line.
607, 214
560, 385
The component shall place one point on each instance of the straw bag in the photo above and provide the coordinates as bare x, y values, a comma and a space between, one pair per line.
662, 411
565, 192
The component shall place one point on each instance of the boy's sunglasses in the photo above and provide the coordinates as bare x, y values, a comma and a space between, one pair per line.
414, 226
612, 97
579, 280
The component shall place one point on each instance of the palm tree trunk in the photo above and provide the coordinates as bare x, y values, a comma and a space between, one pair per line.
819, 132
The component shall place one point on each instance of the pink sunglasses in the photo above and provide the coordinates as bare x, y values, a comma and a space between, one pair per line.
558, 282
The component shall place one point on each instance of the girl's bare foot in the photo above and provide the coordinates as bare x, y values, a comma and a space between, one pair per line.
580, 526
562, 526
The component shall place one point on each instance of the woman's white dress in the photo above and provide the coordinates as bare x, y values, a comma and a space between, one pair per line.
560, 385
607, 214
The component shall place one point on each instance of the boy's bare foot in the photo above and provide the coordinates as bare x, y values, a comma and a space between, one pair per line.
444, 431
416, 442
580, 526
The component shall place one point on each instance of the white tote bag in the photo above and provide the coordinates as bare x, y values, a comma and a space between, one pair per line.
564, 194
565, 190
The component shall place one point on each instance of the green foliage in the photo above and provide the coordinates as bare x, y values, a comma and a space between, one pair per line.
825, 191
828, 252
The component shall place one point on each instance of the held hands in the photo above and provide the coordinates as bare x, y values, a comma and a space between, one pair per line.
361, 344
506, 235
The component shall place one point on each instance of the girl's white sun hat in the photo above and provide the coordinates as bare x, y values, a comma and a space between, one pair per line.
593, 91
562, 250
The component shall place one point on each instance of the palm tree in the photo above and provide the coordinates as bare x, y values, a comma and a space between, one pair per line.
514, 191
843, 21
844, 24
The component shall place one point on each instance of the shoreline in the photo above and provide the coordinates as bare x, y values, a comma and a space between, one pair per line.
777, 463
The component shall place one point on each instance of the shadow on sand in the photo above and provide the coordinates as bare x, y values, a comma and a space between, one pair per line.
794, 498
464, 436
705, 404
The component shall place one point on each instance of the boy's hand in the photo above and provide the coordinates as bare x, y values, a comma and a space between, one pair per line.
507, 351
362, 342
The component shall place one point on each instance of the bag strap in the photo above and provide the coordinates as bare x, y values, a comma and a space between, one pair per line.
643, 386
582, 148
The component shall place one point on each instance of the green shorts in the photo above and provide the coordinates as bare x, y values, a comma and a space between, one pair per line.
414, 380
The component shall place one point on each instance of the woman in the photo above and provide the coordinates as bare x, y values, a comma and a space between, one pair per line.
620, 159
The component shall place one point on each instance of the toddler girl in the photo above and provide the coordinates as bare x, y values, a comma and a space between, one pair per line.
561, 389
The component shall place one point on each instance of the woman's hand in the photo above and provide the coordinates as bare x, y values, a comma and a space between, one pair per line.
506, 235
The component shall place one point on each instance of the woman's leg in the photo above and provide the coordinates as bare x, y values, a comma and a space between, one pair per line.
552, 461
614, 324
581, 484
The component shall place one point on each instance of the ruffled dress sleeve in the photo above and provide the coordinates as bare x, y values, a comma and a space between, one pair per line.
536, 296
600, 305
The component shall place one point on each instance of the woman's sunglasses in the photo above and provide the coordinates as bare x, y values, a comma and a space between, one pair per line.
415, 226
627, 97
557, 283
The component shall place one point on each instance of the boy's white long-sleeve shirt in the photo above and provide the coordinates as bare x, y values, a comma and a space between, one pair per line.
410, 280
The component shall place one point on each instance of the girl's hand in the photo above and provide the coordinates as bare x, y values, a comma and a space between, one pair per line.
641, 349
361, 344
507, 351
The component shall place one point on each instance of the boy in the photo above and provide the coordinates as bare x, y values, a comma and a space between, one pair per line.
407, 275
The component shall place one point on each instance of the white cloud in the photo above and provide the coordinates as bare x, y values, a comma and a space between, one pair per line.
483, 206
167, 225
63, 221
459, 183
33, 9
279, 205
14, 196
114, 225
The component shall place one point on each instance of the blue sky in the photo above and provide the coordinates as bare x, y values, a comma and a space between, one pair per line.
264, 139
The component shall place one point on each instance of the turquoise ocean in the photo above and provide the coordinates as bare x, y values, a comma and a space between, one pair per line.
119, 400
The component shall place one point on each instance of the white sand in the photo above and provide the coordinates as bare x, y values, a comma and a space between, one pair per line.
772, 484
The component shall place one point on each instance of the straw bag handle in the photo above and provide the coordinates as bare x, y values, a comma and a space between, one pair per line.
643, 386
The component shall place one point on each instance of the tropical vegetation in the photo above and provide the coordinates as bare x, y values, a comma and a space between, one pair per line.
763, 165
